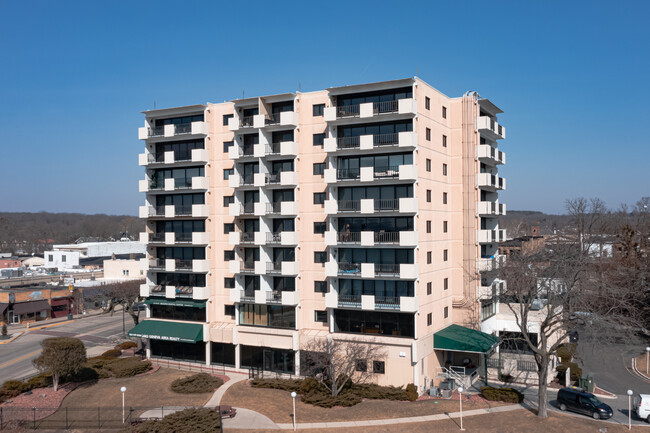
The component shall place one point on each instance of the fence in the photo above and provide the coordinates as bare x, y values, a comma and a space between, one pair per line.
190, 366
82, 418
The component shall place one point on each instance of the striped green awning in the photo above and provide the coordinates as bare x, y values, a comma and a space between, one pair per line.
460, 339
168, 331
176, 302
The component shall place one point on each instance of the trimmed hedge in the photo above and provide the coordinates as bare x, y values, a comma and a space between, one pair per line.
128, 367
566, 351
313, 392
196, 384
112, 353
15, 385
186, 421
508, 395
126, 345
576, 372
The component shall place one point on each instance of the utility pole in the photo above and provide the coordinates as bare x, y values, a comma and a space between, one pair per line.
123, 324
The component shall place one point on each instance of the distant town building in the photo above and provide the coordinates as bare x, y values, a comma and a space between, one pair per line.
26, 305
89, 255
116, 269
10, 263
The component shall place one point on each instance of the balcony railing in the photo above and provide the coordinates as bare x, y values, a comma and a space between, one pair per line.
157, 131
183, 128
183, 264
349, 205
248, 150
157, 264
248, 179
385, 107
385, 139
246, 122
273, 148
159, 211
348, 142
350, 237
386, 172
274, 297
248, 208
273, 238
272, 119
387, 269
247, 297
182, 183
273, 267
273, 178
183, 210
386, 204
350, 299
247, 237
157, 237
247, 267
349, 268
387, 302
274, 208
348, 173
387, 237
183, 237
347, 111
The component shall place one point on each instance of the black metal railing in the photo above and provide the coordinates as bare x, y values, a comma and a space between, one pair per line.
387, 269
349, 268
159, 211
183, 210
248, 208
273, 178
272, 119
348, 173
349, 299
385, 107
348, 142
157, 263
183, 128
274, 208
274, 238
247, 237
184, 237
354, 237
387, 302
273, 148
183, 264
386, 204
387, 237
246, 297
248, 179
156, 131
349, 205
157, 237
273, 267
274, 297
385, 139
247, 266
386, 172
248, 150
347, 111
246, 122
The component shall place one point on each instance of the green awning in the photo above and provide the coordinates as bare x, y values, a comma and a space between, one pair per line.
168, 331
460, 339
176, 302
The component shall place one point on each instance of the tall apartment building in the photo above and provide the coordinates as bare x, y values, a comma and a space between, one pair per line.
360, 212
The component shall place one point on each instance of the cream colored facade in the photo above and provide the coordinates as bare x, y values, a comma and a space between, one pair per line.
128, 269
409, 213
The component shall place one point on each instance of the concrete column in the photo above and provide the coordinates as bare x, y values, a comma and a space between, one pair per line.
148, 348
297, 363
331, 320
237, 357
208, 353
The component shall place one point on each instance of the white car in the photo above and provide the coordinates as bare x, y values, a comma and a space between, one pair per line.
642, 406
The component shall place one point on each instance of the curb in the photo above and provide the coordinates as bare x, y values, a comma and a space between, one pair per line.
12, 338
637, 371
50, 325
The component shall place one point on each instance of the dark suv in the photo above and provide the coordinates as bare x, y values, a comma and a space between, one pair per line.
577, 400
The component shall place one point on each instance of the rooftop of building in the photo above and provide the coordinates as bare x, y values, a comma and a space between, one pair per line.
517, 242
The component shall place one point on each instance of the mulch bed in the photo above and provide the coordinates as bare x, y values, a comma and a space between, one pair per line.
40, 398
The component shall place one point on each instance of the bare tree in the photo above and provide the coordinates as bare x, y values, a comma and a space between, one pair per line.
335, 362
61, 356
126, 294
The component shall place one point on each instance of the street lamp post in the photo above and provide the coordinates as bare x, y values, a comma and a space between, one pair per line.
123, 389
123, 323
460, 394
647, 361
293, 396
629, 409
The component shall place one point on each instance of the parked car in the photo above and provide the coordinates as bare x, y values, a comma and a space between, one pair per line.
227, 411
642, 406
577, 400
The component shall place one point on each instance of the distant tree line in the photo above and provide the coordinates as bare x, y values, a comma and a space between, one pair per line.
36, 232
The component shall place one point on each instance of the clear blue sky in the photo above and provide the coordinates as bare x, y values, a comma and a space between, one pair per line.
571, 77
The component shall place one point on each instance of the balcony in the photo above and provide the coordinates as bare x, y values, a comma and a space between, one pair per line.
486, 264
490, 155
406, 205
371, 142
281, 238
491, 236
171, 292
241, 266
371, 302
371, 109
173, 265
370, 174
282, 208
491, 208
491, 182
285, 148
371, 239
282, 268
197, 156
237, 152
284, 178
490, 128
265, 297
285, 118
166, 131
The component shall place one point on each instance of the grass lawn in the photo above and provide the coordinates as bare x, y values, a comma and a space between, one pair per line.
142, 392
277, 405
641, 362
519, 421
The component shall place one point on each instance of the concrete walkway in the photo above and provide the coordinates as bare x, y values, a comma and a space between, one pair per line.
218, 394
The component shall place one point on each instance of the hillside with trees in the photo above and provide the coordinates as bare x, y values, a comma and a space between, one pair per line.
35, 232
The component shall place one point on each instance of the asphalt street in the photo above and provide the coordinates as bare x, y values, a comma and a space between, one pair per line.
16, 357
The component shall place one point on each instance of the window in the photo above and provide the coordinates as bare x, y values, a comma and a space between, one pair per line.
446, 313
361, 365
228, 200
227, 145
320, 256
444, 198
227, 172
429, 288
428, 196
428, 134
320, 227
444, 169
226, 117
319, 168
488, 309
427, 102
444, 227
228, 227
429, 319
445, 255
320, 286
319, 139
125, 272
429, 257
319, 198
228, 255
229, 283
229, 310
444, 141
378, 367
444, 112
428, 226
320, 316
318, 110
428, 164
63, 258
445, 284
50, 258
